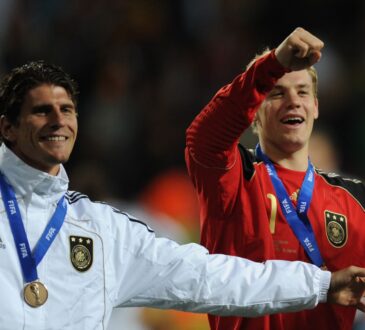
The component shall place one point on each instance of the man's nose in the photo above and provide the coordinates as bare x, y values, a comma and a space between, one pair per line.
56, 117
293, 99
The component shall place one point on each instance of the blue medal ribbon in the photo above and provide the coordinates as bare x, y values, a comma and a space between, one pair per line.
28, 260
297, 218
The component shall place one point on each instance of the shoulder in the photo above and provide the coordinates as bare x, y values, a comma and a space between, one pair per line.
82, 208
248, 159
352, 185
81, 205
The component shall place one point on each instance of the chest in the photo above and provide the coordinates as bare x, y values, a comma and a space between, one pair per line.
335, 216
72, 270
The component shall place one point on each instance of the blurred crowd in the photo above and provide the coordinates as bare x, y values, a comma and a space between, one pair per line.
145, 69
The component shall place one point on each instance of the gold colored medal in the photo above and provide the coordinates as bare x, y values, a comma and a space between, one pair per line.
35, 294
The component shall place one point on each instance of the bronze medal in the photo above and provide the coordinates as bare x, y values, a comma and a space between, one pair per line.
35, 294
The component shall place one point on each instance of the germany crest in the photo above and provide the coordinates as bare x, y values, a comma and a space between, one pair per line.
336, 228
81, 252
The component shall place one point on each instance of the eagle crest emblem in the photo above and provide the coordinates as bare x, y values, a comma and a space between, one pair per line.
336, 228
81, 252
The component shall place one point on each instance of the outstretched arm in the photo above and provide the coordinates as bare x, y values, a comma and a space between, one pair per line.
160, 273
347, 287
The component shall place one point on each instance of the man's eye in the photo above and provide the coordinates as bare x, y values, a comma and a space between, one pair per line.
41, 112
276, 94
303, 92
68, 111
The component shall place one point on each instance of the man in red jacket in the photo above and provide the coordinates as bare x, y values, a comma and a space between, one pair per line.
271, 203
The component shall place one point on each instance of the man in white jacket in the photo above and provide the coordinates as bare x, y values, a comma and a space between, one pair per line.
66, 262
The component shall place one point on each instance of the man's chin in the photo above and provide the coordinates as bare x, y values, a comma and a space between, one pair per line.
58, 159
293, 144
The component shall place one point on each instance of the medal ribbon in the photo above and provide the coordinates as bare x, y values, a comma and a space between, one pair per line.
297, 218
29, 261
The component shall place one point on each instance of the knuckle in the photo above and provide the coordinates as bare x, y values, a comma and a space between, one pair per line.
299, 29
352, 269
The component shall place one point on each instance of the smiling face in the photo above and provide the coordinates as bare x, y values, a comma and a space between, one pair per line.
45, 131
285, 119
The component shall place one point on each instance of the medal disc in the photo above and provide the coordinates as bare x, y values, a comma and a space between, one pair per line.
35, 294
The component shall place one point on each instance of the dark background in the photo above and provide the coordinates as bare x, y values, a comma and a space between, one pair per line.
146, 68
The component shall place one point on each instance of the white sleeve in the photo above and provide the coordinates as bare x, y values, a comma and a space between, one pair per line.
159, 273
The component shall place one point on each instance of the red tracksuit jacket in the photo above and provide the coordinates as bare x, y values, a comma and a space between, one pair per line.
240, 214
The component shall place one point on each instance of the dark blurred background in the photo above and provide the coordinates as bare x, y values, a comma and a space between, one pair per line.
146, 68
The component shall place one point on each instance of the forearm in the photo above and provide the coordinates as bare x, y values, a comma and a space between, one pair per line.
213, 135
187, 278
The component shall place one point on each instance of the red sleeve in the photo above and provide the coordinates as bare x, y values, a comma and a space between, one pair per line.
212, 137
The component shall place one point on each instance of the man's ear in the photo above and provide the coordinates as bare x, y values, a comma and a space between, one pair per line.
316, 109
6, 129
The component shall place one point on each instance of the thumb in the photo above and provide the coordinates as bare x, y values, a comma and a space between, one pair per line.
357, 271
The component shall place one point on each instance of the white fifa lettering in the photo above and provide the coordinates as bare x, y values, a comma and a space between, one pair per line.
23, 250
50, 233
308, 244
12, 207
286, 206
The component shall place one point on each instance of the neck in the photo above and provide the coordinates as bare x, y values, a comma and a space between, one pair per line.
296, 160
49, 167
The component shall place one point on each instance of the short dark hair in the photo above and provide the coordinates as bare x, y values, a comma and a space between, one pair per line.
15, 85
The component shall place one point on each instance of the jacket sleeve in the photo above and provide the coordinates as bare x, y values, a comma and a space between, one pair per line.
212, 137
212, 155
157, 272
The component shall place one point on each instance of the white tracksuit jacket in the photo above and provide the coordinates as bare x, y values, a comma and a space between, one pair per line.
126, 265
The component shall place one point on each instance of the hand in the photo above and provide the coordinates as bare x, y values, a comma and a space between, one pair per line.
299, 50
347, 287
